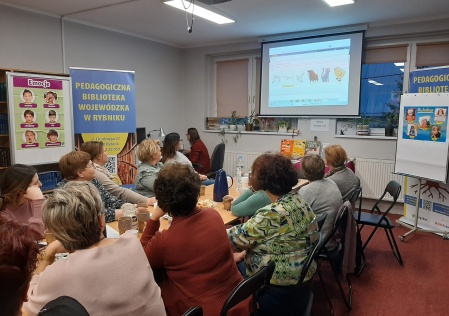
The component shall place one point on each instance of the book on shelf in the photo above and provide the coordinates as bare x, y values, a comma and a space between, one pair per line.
287, 147
299, 148
313, 147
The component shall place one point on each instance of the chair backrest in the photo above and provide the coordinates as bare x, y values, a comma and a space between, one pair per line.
339, 225
321, 219
394, 189
194, 311
253, 285
217, 158
355, 195
313, 253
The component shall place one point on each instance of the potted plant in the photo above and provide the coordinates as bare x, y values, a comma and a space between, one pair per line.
282, 126
233, 121
250, 120
391, 119
363, 124
256, 126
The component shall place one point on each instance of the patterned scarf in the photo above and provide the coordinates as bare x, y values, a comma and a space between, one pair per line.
103, 170
334, 170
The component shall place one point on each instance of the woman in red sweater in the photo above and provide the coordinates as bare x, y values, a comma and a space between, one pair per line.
195, 252
198, 152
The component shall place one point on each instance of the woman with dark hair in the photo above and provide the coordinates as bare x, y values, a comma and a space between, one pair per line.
283, 231
96, 271
18, 258
322, 194
99, 157
170, 153
198, 152
77, 166
21, 197
195, 252
335, 158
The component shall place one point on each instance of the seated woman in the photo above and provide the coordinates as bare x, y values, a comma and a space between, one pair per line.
198, 152
97, 271
335, 158
21, 197
195, 252
77, 166
282, 231
249, 202
149, 153
170, 154
322, 195
99, 157
18, 258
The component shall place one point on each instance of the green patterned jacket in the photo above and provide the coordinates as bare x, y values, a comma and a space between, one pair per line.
282, 231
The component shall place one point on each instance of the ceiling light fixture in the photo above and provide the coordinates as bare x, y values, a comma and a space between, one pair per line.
334, 3
202, 10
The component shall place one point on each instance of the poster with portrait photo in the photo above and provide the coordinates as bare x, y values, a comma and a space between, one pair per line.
51, 109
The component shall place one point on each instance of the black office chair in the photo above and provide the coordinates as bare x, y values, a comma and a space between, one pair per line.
216, 161
335, 257
380, 220
194, 311
254, 285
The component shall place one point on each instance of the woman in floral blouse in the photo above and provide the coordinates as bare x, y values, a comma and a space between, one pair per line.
282, 231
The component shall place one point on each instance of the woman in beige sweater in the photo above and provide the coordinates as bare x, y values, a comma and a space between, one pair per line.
98, 272
99, 157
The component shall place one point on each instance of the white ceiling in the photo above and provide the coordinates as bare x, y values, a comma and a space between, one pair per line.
255, 18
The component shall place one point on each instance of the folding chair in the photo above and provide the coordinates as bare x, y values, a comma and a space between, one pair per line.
320, 220
380, 220
194, 311
253, 285
305, 268
335, 257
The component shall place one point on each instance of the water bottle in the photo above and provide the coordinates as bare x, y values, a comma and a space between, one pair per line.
239, 173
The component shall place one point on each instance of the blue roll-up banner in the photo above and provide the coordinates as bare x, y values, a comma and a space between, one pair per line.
104, 109
430, 80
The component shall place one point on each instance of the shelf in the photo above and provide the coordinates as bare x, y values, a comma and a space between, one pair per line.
367, 137
251, 132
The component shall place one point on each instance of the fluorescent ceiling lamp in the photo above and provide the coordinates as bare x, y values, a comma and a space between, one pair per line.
200, 9
375, 82
399, 64
334, 3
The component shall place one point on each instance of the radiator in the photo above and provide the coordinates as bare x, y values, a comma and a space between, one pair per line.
230, 161
374, 176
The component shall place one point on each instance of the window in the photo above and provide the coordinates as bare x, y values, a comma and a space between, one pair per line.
237, 85
381, 88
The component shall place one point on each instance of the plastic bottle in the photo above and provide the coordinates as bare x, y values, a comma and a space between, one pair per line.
239, 173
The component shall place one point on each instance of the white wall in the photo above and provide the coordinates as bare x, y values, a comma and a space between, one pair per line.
198, 61
33, 42
172, 85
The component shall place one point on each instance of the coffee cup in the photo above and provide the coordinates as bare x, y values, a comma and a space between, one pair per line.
142, 218
124, 224
203, 190
227, 202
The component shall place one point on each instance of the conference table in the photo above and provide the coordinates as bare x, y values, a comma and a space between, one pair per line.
227, 216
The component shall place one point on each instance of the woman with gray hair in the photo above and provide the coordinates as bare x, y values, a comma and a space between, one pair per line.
75, 216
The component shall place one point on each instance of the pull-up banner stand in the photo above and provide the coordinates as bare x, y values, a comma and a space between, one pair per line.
422, 155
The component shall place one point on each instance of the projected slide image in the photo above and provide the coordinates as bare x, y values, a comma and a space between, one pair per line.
317, 72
